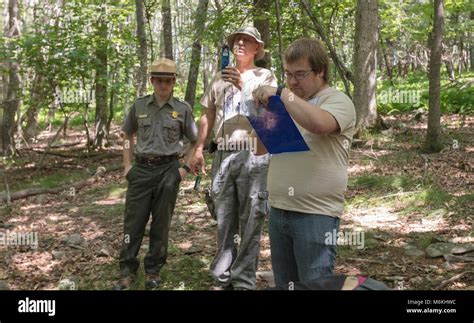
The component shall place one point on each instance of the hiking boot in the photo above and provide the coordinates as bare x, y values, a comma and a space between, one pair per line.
224, 278
124, 283
152, 282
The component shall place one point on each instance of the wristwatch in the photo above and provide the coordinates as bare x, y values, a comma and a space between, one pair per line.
186, 168
279, 89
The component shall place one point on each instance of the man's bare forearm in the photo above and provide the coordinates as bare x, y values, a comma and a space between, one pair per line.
128, 146
260, 148
311, 117
206, 123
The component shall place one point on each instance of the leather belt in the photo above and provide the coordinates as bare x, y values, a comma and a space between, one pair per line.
155, 161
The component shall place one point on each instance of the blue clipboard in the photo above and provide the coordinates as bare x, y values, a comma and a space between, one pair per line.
276, 129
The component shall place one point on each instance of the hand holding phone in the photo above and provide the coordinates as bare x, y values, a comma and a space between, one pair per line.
229, 74
225, 57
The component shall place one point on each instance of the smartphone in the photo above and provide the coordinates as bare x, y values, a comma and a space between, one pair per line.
225, 56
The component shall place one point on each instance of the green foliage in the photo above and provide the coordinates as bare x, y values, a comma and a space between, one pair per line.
405, 22
383, 183
459, 101
62, 51
185, 272
58, 48
403, 193
198, 110
412, 94
435, 197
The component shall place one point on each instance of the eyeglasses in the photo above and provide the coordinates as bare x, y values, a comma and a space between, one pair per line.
299, 76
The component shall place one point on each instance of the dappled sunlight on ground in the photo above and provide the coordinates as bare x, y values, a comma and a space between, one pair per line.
194, 208
464, 225
92, 231
370, 153
57, 217
356, 169
385, 218
347, 270
110, 201
33, 266
398, 197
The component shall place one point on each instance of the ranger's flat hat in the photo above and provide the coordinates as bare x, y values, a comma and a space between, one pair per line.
163, 67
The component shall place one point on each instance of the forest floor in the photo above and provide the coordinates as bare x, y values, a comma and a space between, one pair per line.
399, 200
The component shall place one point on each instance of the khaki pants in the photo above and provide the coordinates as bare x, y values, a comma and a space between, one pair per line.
239, 196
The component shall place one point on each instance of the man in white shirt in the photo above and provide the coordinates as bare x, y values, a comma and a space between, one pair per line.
238, 176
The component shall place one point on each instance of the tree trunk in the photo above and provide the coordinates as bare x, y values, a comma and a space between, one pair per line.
261, 21
199, 23
86, 118
113, 98
33, 109
471, 55
365, 63
142, 48
462, 57
1, 122
12, 102
218, 42
37, 92
280, 42
471, 45
205, 74
344, 73
433, 135
388, 64
450, 69
101, 131
167, 30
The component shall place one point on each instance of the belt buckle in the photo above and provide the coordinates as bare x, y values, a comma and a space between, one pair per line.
146, 161
155, 161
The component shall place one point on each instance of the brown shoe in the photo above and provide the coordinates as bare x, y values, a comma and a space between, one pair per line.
124, 283
152, 282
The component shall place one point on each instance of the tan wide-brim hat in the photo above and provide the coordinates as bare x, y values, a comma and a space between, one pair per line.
253, 32
163, 67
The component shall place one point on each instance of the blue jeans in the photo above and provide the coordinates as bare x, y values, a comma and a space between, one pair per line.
298, 245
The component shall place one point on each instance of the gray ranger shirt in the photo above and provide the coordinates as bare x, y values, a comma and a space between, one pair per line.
160, 130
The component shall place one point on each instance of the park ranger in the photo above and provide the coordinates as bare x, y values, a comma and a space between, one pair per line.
159, 121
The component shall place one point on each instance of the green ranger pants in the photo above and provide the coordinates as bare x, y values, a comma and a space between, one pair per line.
151, 189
